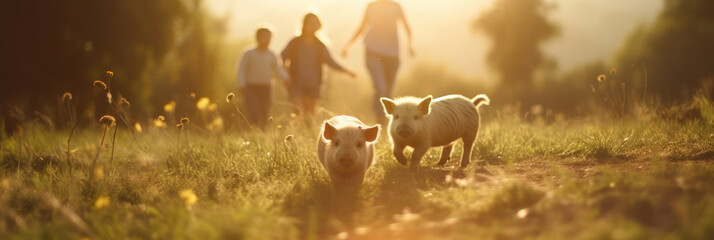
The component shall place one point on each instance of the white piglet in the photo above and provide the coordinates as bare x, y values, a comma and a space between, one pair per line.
346, 150
423, 123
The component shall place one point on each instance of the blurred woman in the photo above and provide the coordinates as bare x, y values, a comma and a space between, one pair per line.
303, 57
382, 46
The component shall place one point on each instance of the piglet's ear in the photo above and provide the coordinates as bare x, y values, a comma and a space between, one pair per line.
388, 105
328, 131
425, 105
371, 133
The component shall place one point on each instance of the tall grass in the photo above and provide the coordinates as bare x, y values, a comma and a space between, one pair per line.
529, 181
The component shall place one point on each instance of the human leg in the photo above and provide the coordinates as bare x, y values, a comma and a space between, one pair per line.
390, 66
310, 97
376, 71
266, 99
252, 104
295, 95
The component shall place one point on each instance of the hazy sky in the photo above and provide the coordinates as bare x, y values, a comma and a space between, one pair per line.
590, 29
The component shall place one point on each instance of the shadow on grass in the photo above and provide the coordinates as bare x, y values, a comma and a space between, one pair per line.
321, 210
400, 188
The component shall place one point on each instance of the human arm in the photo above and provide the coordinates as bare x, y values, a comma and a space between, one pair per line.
330, 61
280, 72
408, 31
360, 30
286, 54
242, 70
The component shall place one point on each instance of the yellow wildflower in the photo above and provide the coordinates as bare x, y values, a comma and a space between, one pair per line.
202, 103
101, 202
170, 106
188, 196
99, 172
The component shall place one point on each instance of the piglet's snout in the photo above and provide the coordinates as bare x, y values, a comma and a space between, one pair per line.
404, 132
346, 161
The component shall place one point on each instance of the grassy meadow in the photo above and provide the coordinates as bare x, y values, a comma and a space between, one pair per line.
531, 178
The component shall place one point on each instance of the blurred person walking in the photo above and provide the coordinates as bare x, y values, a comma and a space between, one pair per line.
304, 57
256, 70
381, 41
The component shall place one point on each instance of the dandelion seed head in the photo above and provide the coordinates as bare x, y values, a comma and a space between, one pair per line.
100, 84
184, 120
229, 97
110, 74
180, 126
601, 78
161, 118
107, 120
123, 102
66, 97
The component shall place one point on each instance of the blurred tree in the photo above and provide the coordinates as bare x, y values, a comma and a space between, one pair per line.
516, 29
49, 47
193, 65
677, 50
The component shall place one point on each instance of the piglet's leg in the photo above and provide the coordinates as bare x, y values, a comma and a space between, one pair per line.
399, 153
468, 145
445, 154
416, 156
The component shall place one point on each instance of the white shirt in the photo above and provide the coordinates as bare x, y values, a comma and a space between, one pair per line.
382, 17
258, 67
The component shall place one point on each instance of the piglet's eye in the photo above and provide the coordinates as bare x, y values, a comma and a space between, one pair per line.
336, 143
360, 144
396, 116
416, 117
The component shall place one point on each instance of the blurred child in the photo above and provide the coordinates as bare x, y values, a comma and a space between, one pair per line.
304, 56
257, 68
